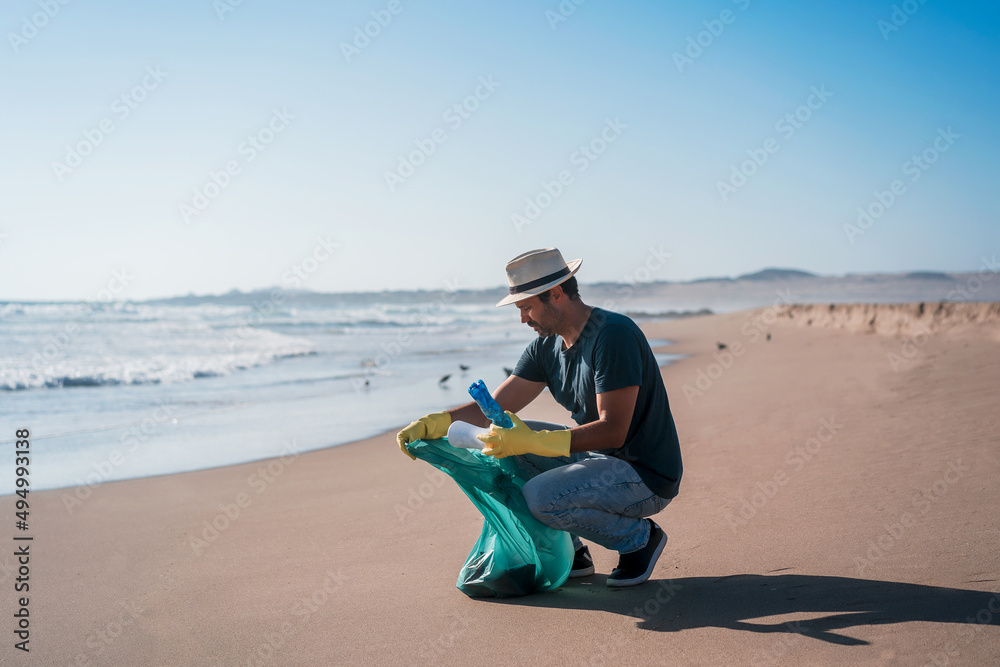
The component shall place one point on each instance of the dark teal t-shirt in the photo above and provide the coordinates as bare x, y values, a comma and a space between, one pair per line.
612, 353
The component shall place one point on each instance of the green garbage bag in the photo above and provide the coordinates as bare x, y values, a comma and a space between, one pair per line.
515, 554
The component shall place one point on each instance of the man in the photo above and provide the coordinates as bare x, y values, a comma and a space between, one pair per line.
600, 479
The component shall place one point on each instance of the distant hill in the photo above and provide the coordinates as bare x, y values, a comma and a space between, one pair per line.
711, 280
776, 274
927, 275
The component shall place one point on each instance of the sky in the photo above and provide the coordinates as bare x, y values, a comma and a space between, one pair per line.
160, 149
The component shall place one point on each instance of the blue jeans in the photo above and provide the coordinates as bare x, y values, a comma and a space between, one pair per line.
597, 497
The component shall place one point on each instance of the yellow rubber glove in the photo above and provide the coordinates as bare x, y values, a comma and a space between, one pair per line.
431, 427
519, 439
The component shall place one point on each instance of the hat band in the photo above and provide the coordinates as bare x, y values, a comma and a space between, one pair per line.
531, 284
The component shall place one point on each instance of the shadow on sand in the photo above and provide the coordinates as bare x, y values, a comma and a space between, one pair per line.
671, 605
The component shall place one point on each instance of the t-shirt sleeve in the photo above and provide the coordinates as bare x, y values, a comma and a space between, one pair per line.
617, 360
528, 366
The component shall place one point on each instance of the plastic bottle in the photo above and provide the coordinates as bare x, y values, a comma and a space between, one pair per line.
463, 434
481, 395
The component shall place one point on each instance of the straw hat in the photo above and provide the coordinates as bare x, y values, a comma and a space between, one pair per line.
535, 272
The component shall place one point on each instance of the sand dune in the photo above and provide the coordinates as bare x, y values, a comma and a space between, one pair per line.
897, 319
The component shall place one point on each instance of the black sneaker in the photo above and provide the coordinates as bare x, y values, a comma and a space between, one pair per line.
635, 568
583, 564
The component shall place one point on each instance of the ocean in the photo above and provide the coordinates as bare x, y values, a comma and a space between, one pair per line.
113, 391
120, 390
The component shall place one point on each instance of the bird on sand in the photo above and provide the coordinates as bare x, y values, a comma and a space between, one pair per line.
463, 367
722, 346
444, 379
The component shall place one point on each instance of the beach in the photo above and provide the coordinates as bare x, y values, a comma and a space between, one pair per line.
838, 506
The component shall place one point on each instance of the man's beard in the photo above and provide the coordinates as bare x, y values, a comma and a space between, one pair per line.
541, 331
554, 318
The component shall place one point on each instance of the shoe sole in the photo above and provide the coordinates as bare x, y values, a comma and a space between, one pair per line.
585, 572
620, 583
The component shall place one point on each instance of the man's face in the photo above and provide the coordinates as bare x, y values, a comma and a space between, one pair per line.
542, 317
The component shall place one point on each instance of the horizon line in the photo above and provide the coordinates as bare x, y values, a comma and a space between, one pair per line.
795, 274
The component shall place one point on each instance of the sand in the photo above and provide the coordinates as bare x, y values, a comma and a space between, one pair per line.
837, 507
902, 319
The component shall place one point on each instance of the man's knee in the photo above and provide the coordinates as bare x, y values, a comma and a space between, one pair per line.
535, 497
542, 504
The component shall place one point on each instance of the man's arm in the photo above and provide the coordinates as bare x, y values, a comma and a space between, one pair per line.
513, 395
614, 409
